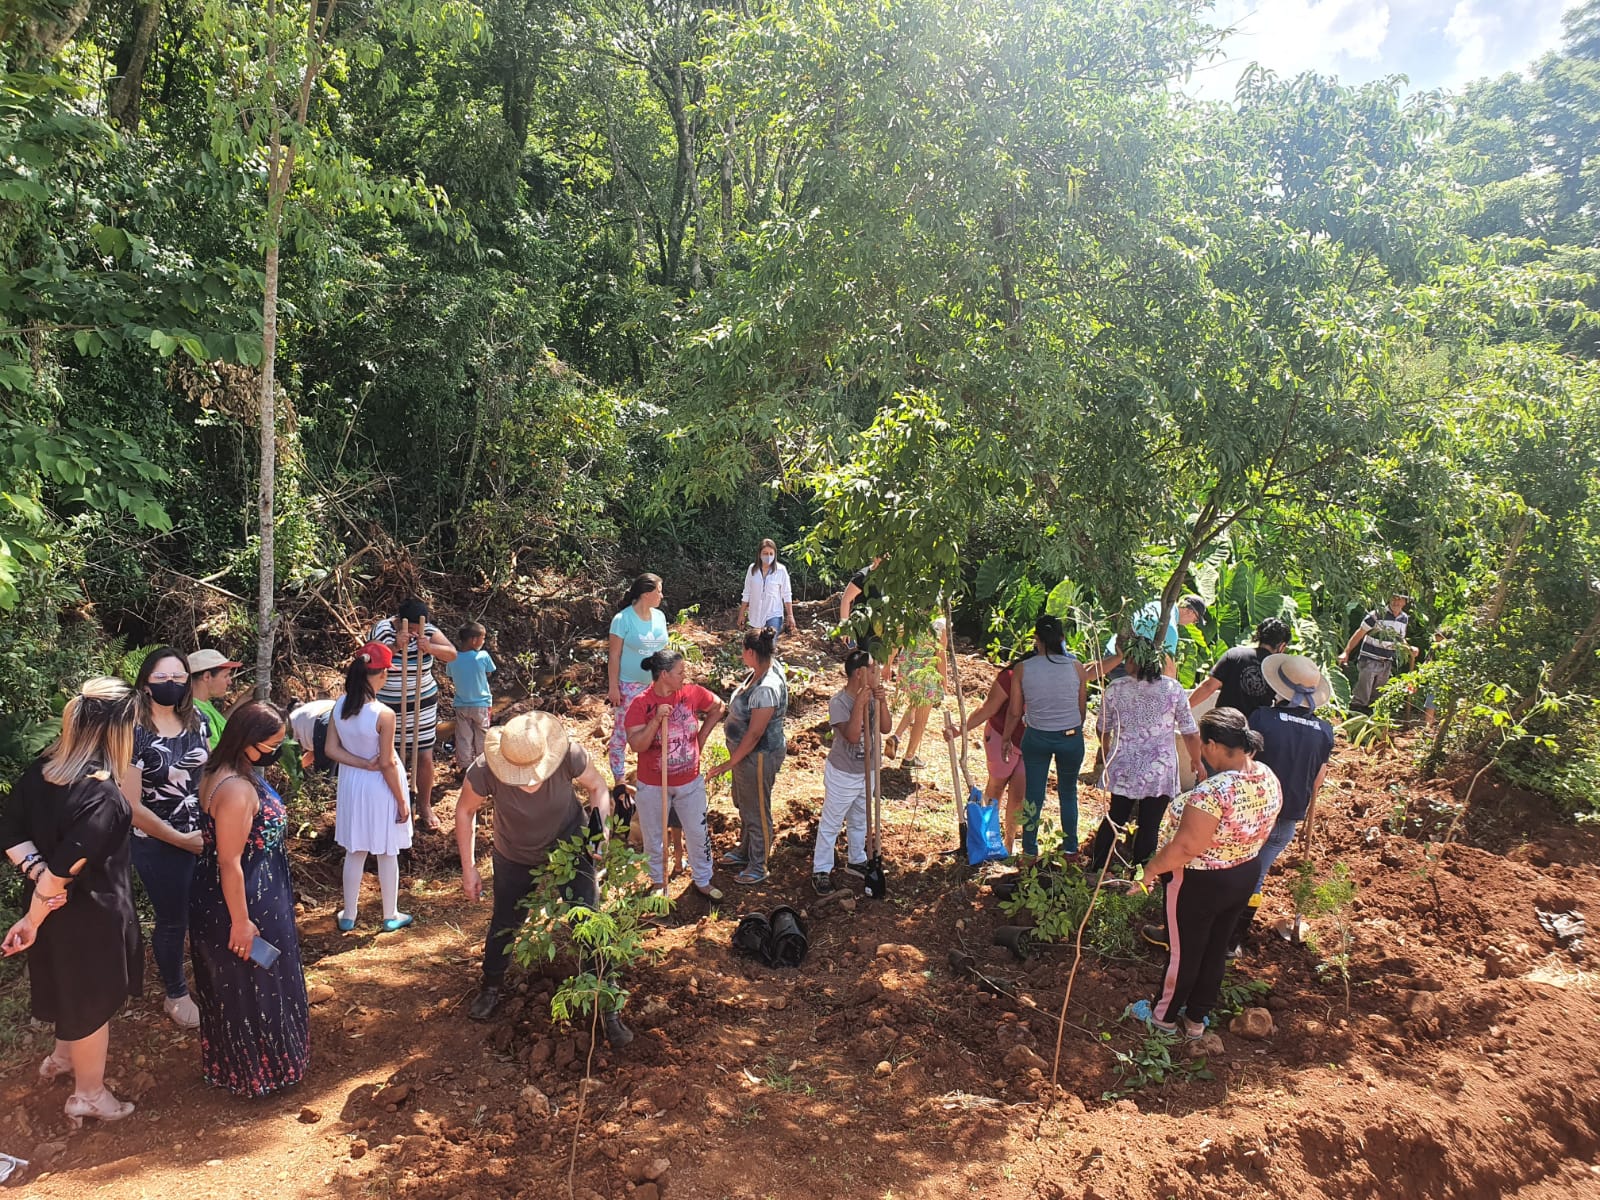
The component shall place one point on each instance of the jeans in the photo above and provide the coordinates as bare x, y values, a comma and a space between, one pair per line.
1039, 746
1277, 842
512, 883
166, 872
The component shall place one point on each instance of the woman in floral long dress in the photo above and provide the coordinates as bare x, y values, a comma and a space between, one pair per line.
254, 1029
1142, 711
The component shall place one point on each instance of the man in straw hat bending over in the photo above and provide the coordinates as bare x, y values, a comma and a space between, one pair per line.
1298, 744
535, 775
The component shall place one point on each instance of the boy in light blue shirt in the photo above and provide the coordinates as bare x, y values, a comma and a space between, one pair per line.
470, 671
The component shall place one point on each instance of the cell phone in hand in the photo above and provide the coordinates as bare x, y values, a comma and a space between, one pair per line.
263, 953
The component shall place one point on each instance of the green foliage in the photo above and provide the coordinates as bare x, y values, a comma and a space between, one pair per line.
1239, 994
1152, 1063
607, 940
1056, 898
1328, 897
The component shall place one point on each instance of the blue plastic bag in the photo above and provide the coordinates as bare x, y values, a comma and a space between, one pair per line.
984, 840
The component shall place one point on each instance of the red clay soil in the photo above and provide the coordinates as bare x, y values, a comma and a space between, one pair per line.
1467, 1066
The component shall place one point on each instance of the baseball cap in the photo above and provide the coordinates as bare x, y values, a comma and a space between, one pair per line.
377, 656
209, 660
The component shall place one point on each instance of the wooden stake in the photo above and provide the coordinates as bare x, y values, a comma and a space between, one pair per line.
666, 803
416, 703
401, 645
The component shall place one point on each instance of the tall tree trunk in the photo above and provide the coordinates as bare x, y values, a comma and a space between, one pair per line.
267, 616
132, 55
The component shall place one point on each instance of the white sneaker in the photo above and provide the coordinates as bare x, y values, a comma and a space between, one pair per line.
183, 1012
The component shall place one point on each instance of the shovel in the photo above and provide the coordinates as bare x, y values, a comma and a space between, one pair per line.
875, 882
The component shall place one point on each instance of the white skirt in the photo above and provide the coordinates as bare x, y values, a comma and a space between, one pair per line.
364, 818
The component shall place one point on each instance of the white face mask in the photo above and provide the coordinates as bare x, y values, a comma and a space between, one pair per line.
766, 560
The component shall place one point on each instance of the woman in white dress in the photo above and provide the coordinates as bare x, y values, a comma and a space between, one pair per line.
374, 809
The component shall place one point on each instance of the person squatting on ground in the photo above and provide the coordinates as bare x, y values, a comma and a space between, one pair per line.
255, 1030
1296, 747
171, 742
756, 749
419, 724
1006, 775
1053, 689
1381, 634
637, 631
1237, 680
65, 826
210, 681
768, 599
924, 674
539, 781
844, 773
689, 713
469, 671
1210, 839
1147, 712
372, 813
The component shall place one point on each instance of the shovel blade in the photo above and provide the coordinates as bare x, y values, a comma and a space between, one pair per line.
875, 882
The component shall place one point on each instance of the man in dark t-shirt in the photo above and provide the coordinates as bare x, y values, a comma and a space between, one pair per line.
855, 607
1237, 677
1296, 746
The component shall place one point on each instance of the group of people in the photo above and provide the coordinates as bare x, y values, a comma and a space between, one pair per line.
152, 778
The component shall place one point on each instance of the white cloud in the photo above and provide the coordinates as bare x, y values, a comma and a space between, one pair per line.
1290, 36
1471, 31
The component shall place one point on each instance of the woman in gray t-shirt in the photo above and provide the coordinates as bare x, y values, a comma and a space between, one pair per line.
756, 746
1053, 689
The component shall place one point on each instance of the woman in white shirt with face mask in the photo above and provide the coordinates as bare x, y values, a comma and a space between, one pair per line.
767, 600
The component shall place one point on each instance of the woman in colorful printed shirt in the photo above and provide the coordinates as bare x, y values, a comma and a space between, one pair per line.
254, 1027
1210, 839
689, 713
923, 678
1144, 711
170, 746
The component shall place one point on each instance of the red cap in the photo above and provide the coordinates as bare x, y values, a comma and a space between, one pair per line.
377, 656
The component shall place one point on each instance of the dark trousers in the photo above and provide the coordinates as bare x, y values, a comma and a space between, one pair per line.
1135, 851
512, 883
1202, 908
753, 777
167, 872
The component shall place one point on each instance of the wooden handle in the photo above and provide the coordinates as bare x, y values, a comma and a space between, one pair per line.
666, 803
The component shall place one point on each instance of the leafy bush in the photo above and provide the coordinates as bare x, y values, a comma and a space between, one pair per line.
1056, 897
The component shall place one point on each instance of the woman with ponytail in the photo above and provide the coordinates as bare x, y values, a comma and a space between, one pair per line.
637, 631
1210, 839
756, 747
1054, 689
373, 813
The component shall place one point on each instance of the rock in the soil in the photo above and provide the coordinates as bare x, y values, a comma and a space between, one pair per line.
1021, 1058
318, 993
642, 1169
540, 1054
884, 1069
778, 1003
1254, 1023
310, 1116
396, 1094
358, 1148
566, 1053
902, 952
1209, 1046
48, 1151
647, 1191
536, 1102
1277, 1004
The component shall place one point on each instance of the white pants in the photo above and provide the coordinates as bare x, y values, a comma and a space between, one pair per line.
844, 806
689, 802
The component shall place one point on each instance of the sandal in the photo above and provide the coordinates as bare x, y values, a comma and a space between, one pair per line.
710, 892
750, 876
104, 1107
53, 1068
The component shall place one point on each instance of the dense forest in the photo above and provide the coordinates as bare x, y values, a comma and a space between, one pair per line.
292, 290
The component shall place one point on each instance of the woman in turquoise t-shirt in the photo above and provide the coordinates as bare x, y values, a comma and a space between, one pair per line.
637, 631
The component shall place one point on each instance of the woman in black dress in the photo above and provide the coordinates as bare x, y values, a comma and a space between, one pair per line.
66, 826
254, 1028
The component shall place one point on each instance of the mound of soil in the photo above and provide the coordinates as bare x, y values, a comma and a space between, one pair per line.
1466, 1065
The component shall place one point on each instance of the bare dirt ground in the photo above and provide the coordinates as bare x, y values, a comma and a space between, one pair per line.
1468, 1064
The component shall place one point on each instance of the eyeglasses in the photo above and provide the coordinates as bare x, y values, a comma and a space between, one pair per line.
170, 678
269, 751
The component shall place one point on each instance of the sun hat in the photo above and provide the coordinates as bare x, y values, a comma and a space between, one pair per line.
378, 656
1295, 678
526, 750
209, 660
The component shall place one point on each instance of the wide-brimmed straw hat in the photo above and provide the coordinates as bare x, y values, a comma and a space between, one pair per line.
1295, 678
526, 750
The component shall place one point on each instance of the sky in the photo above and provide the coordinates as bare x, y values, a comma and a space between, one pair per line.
1436, 43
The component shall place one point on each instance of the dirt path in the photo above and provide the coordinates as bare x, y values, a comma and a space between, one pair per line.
1468, 1065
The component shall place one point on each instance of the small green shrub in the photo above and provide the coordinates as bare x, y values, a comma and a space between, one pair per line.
1151, 1064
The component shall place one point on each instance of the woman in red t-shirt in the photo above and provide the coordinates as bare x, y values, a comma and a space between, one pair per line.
1005, 772
689, 713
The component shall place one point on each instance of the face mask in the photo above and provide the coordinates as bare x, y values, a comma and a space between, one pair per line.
766, 559
169, 693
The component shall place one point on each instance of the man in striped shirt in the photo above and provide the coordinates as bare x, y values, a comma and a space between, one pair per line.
1381, 635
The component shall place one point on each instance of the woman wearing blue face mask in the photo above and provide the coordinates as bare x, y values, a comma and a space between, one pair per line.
171, 743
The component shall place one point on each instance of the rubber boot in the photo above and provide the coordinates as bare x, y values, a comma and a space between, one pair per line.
618, 1035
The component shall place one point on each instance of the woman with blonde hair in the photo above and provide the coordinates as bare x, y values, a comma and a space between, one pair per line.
66, 827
